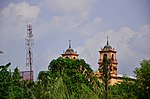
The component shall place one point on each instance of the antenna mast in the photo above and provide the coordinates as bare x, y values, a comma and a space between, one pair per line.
29, 45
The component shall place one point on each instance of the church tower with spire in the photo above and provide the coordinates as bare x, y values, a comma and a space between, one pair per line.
70, 53
109, 52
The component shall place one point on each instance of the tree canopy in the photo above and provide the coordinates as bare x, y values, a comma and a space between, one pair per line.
67, 78
72, 79
12, 87
143, 79
138, 88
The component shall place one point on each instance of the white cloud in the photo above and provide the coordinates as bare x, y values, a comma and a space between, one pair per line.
146, 29
21, 10
91, 27
67, 25
70, 6
14, 18
139, 41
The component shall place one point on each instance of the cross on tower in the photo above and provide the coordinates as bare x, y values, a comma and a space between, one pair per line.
69, 43
107, 40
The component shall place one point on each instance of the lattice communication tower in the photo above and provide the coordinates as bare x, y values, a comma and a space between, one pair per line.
29, 45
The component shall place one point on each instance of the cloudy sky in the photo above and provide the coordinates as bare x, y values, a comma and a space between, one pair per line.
85, 22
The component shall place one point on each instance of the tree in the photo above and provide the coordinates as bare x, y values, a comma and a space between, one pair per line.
49, 87
12, 87
124, 90
5, 77
105, 75
66, 78
138, 88
143, 79
77, 77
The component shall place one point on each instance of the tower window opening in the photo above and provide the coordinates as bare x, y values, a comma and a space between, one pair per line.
105, 56
112, 57
111, 68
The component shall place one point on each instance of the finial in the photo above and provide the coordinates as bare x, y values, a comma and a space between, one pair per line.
1, 52
69, 43
107, 40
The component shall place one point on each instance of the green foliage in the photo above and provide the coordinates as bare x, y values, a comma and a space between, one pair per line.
138, 88
143, 79
75, 74
71, 70
11, 85
124, 90
105, 76
74, 79
56, 88
5, 77
47, 87
60, 64
65, 79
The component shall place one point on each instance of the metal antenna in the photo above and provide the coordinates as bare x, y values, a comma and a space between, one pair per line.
29, 45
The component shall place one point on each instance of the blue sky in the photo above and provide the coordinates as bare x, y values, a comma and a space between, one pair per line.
85, 22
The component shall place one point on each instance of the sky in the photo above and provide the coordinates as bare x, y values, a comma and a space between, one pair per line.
85, 22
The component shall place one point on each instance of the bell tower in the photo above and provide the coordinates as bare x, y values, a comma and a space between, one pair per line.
70, 53
108, 52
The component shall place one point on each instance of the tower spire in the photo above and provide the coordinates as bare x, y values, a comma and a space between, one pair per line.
69, 43
107, 40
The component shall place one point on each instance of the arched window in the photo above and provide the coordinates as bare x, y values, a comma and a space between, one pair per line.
111, 68
105, 56
112, 57
74, 57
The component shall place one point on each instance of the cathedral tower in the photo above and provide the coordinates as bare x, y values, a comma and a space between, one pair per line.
70, 53
109, 52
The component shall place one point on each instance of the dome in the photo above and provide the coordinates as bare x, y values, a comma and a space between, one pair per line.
107, 47
70, 50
